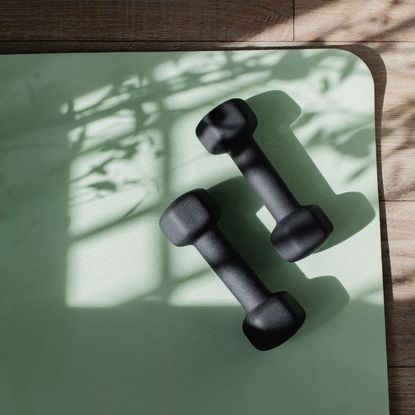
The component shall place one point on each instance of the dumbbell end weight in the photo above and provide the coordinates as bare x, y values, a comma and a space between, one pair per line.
300, 230
301, 233
190, 216
270, 318
274, 321
227, 126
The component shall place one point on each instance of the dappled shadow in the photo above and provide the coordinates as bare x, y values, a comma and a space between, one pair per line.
386, 28
99, 313
277, 111
321, 297
338, 21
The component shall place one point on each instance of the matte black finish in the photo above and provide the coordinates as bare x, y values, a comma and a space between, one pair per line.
300, 230
271, 319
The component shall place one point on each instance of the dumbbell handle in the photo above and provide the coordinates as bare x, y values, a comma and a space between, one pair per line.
263, 177
236, 274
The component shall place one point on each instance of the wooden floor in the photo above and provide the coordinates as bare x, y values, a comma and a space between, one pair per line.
382, 32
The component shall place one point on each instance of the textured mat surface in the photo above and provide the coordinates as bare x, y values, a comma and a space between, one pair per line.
100, 315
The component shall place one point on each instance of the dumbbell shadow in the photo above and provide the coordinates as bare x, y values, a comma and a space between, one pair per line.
276, 111
271, 318
322, 297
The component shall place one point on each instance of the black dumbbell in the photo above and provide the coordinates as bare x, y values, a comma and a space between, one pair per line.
271, 318
229, 128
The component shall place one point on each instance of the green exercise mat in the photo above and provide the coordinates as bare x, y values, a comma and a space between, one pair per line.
100, 315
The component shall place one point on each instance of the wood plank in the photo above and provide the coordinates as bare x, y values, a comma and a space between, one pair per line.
400, 223
147, 20
398, 121
402, 391
358, 20
398, 228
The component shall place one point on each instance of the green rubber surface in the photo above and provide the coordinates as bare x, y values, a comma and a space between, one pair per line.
100, 315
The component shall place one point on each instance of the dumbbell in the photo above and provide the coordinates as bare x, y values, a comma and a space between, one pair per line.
271, 318
300, 230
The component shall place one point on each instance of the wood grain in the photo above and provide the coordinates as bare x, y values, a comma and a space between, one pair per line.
402, 390
399, 281
147, 20
398, 121
384, 30
358, 20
